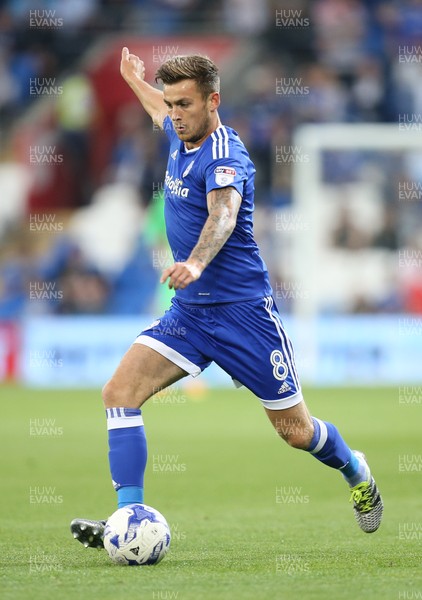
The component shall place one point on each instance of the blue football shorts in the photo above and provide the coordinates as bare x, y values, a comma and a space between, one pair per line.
246, 339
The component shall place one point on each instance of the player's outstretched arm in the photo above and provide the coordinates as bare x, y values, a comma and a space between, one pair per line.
223, 206
133, 72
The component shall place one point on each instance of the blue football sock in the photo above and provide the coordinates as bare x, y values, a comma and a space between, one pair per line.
328, 447
130, 494
355, 471
127, 453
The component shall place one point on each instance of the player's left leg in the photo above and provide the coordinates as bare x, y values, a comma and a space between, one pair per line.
323, 440
254, 348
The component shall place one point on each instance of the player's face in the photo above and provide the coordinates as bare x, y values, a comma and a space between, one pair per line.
193, 116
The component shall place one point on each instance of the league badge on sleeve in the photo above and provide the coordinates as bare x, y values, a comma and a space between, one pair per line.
224, 175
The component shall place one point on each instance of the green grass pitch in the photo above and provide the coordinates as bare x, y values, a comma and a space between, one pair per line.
251, 518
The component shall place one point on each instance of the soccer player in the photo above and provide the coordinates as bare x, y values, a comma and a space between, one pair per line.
223, 309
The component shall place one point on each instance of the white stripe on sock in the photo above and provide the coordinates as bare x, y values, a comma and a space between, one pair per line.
323, 434
114, 421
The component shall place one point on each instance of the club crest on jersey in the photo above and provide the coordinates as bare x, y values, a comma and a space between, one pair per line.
187, 170
224, 175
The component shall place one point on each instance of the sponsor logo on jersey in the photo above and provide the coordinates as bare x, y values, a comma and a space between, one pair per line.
175, 186
224, 175
188, 168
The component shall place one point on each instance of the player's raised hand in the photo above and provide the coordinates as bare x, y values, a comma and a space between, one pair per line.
132, 67
181, 274
132, 70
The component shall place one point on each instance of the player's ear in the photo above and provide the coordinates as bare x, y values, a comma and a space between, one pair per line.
214, 100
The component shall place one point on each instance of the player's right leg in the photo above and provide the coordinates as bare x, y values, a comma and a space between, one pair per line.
164, 353
141, 373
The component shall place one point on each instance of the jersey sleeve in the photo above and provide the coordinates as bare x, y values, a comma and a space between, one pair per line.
226, 167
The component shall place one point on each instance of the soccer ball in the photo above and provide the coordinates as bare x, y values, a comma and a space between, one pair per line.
137, 535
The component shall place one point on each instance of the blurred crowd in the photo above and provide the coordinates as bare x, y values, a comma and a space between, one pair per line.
346, 51
320, 61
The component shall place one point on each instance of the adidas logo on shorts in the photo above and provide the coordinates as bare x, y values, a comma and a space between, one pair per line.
285, 387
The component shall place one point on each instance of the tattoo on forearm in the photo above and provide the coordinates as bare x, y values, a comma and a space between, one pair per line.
223, 206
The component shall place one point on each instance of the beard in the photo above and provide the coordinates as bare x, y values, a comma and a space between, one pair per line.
197, 135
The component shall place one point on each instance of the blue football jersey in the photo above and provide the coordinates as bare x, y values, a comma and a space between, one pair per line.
237, 272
